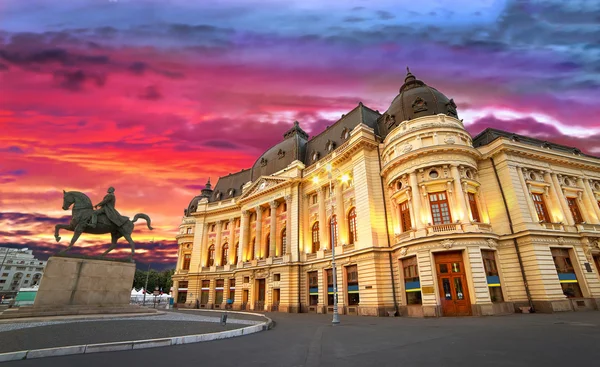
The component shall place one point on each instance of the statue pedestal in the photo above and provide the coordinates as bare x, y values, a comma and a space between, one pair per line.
74, 285
73, 281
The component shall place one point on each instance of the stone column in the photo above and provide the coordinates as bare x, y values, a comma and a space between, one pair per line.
416, 200
411, 210
322, 219
244, 234
590, 214
460, 194
562, 200
288, 227
231, 241
306, 221
554, 195
532, 211
396, 225
273, 234
588, 188
218, 252
258, 242
340, 213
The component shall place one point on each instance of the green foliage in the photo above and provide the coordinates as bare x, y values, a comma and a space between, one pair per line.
155, 279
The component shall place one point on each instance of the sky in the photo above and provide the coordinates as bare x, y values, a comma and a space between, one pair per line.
154, 97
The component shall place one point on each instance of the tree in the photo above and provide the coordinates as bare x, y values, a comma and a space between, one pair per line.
162, 280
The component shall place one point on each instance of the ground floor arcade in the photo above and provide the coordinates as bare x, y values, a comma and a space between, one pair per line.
436, 277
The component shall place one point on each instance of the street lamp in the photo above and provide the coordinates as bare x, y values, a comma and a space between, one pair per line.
332, 231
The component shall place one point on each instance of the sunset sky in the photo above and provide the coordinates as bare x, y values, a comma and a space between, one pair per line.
153, 97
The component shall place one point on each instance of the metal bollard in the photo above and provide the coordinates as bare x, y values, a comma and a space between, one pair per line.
223, 319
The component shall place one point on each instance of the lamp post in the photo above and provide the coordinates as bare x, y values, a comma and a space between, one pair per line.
332, 231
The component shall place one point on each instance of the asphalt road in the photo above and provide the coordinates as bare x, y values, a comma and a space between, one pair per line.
566, 339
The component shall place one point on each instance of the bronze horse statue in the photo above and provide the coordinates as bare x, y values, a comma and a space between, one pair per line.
80, 218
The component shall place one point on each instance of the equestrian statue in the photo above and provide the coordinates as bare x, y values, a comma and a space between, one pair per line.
84, 219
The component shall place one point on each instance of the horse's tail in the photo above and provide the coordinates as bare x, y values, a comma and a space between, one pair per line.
143, 216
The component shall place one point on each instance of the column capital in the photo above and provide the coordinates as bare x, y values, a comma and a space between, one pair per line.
288, 197
259, 209
246, 213
218, 223
274, 204
231, 220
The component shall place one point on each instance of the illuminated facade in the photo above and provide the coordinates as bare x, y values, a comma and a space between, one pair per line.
425, 220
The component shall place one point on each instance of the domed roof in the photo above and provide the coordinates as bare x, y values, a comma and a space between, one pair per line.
416, 99
206, 192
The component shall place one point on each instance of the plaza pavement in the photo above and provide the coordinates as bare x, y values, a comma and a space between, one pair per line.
564, 339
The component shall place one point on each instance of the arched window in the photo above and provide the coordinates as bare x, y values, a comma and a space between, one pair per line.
267, 246
211, 256
235, 255
352, 226
283, 242
315, 237
333, 235
225, 254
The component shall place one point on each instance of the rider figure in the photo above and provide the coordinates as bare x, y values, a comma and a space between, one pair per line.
107, 206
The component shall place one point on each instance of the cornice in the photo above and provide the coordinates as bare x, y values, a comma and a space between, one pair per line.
429, 151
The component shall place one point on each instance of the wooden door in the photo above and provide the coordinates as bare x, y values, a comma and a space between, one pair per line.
260, 299
452, 283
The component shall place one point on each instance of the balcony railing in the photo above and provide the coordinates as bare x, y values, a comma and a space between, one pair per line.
311, 256
441, 228
261, 262
278, 260
553, 226
584, 227
484, 227
349, 247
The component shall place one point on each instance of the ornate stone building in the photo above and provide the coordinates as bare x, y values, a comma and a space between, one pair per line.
425, 220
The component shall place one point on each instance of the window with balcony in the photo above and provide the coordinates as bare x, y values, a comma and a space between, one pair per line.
352, 285
352, 226
313, 288
226, 226
314, 199
473, 206
315, 237
267, 246
574, 208
566, 273
235, 255
211, 256
333, 230
440, 210
540, 207
412, 284
187, 258
225, 254
251, 249
491, 272
405, 222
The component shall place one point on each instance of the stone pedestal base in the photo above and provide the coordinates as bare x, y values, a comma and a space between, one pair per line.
82, 286
74, 281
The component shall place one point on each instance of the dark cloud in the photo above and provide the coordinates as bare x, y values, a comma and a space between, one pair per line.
221, 144
54, 55
32, 218
354, 19
384, 15
76, 80
150, 93
13, 149
138, 67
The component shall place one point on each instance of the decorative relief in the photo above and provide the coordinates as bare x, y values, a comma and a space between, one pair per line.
263, 162
390, 120
561, 241
491, 243
403, 251
449, 140
451, 108
407, 148
281, 153
419, 105
447, 243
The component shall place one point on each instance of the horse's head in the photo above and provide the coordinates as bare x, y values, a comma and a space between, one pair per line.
68, 200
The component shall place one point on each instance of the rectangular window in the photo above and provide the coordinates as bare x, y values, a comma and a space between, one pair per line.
2, 281
276, 277
219, 291
405, 216
246, 279
574, 208
329, 275
4, 274
204, 292
313, 288
183, 284
315, 199
597, 261
231, 298
440, 210
491, 272
566, 273
187, 258
412, 285
189, 231
540, 207
473, 206
352, 279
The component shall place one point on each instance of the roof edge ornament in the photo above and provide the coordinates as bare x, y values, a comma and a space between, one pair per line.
410, 81
295, 130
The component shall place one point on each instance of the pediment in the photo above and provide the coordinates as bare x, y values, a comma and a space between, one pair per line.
265, 184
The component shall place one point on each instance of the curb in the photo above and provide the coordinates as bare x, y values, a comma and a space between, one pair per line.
137, 344
78, 317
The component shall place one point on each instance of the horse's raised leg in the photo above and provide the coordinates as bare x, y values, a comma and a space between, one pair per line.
59, 227
114, 237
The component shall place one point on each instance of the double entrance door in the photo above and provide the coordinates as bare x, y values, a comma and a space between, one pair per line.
452, 284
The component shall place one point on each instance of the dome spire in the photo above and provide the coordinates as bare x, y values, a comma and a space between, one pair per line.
409, 76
